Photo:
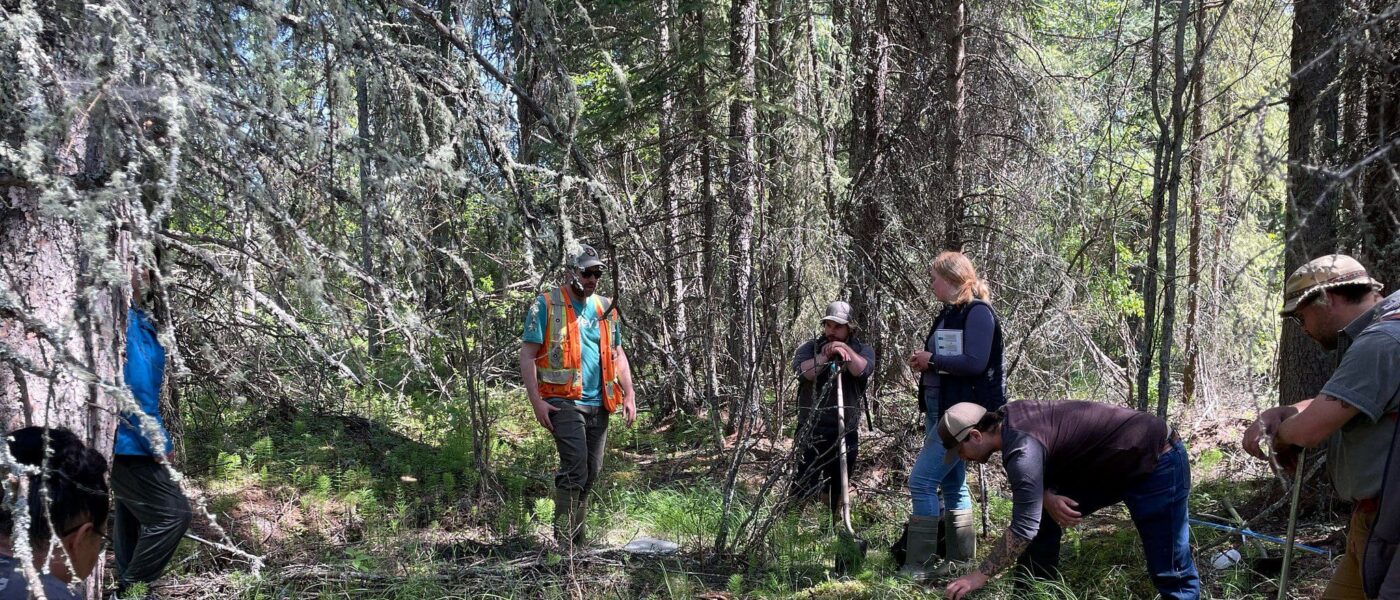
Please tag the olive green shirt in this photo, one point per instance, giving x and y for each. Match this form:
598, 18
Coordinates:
1368, 379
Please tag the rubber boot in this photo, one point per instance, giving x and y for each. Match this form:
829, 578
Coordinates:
566, 513
960, 533
578, 519
942, 548
919, 550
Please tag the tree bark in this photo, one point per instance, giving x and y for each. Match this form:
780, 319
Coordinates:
742, 191
62, 317
671, 151
953, 233
367, 212
1378, 234
1197, 162
1173, 190
1312, 142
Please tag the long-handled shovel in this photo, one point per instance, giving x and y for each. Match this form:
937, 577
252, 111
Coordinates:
850, 549
1292, 526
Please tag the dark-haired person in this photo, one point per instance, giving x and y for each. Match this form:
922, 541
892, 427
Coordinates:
151, 511
1335, 301
576, 375
67, 499
1065, 460
961, 362
817, 425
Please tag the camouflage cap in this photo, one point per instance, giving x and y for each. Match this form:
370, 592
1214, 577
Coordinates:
1319, 274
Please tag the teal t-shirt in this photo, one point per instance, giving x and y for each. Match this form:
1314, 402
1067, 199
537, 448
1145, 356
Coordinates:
589, 334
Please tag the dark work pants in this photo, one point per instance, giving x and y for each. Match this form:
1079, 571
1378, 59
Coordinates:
820, 466
1157, 505
580, 434
151, 515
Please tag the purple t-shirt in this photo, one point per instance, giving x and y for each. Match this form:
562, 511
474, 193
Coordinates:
1079, 449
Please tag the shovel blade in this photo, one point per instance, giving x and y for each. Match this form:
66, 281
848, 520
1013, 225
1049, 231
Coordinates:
850, 554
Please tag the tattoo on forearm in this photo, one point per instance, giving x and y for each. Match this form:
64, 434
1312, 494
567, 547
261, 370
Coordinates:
1005, 552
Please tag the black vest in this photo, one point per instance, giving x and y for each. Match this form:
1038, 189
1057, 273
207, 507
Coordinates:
821, 412
987, 388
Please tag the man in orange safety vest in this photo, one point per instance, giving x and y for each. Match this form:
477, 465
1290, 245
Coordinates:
576, 375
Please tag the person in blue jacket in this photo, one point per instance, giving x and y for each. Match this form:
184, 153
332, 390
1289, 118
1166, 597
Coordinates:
151, 512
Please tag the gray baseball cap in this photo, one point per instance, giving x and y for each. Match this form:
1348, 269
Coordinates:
838, 312
587, 257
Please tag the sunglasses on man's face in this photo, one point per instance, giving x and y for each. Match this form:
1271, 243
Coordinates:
591, 274
1297, 315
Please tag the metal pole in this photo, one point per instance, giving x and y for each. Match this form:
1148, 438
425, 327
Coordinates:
1292, 526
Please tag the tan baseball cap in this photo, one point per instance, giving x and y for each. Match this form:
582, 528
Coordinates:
954, 425
1321, 273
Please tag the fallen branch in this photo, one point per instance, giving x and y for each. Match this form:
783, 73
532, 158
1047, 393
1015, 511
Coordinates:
256, 561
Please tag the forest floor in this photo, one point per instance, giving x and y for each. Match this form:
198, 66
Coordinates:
345, 507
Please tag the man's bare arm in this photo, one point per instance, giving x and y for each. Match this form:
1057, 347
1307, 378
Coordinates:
624, 372
528, 376
1315, 422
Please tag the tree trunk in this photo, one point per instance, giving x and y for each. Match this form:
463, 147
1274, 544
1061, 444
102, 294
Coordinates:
55, 339
1309, 219
62, 316
676, 357
869, 27
367, 213
526, 75
1378, 234
1151, 271
698, 103
1197, 163
1173, 185
742, 190
953, 234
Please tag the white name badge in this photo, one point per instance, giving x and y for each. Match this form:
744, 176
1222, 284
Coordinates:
948, 342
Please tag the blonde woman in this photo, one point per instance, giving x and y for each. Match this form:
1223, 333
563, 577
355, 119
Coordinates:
961, 362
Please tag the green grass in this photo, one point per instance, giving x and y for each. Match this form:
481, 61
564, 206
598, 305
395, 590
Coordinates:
391, 515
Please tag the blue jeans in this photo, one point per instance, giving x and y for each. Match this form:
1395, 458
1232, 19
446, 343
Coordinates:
1157, 504
929, 474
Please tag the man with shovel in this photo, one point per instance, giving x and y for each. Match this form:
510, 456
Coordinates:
817, 422
832, 371
1339, 306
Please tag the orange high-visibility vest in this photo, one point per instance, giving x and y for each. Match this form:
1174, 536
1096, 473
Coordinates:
558, 361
